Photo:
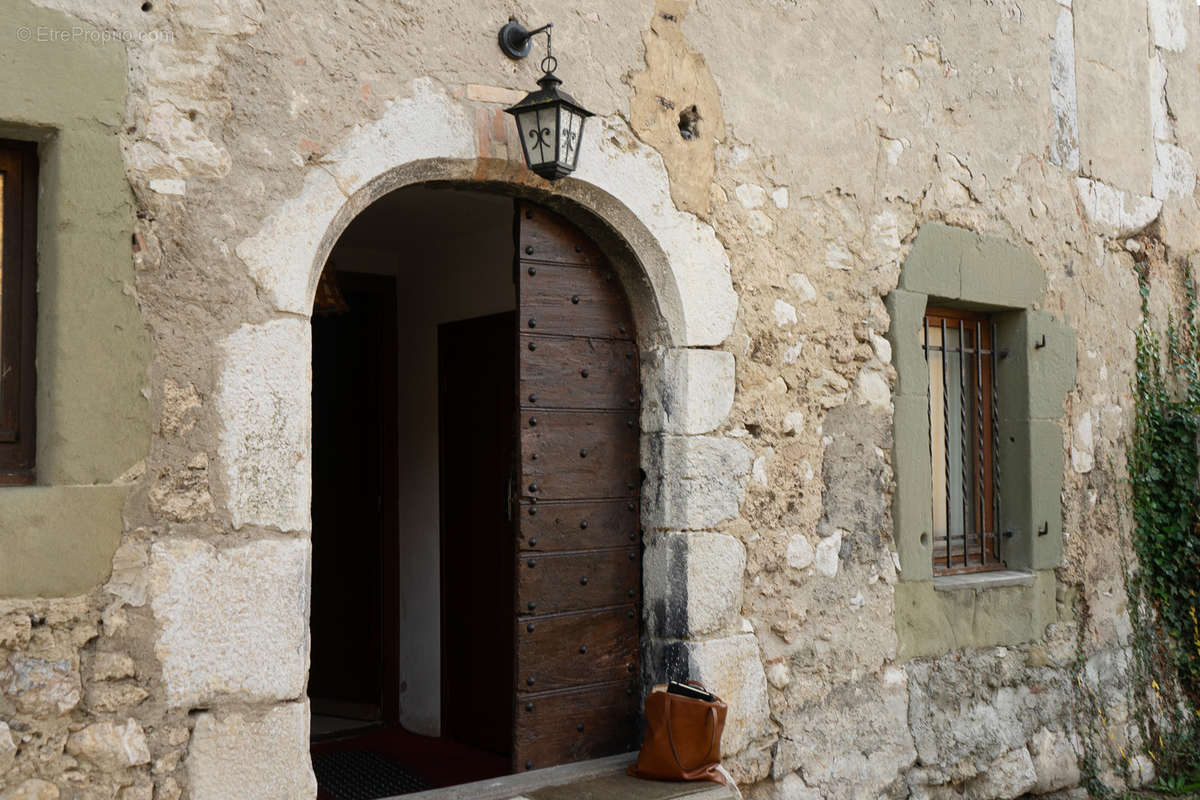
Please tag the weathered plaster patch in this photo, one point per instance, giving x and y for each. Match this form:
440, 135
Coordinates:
1166, 23
234, 621
1174, 175
1117, 213
1160, 121
675, 86
265, 402
1064, 151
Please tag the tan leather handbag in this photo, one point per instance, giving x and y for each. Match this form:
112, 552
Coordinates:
683, 737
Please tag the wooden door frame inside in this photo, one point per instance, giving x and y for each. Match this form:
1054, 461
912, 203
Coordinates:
384, 288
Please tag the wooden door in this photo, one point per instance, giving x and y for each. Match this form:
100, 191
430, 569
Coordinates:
475, 412
578, 542
355, 602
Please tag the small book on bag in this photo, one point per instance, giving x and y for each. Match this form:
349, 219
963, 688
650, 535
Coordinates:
694, 691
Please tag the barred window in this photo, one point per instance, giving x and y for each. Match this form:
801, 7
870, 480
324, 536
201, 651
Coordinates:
18, 293
963, 439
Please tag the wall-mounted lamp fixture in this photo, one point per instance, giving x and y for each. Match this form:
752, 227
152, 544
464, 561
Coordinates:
550, 121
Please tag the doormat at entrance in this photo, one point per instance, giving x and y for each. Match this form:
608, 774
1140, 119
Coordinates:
363, 775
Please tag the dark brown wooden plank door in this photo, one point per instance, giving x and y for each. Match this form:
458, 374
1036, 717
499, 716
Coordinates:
578, 561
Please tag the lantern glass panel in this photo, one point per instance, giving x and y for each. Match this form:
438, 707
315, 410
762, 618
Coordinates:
566, 144
576, 138
539, 132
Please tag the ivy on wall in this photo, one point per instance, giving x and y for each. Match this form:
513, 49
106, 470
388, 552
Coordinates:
1164, 588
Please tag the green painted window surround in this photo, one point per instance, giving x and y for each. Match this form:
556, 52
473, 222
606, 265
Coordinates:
950, 266
58, 537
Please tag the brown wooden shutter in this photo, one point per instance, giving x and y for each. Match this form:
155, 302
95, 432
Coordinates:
578, 563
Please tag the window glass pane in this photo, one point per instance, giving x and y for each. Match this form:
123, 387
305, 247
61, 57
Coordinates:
960, 438
946, 433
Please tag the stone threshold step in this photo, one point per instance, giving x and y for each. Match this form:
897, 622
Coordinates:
599, 779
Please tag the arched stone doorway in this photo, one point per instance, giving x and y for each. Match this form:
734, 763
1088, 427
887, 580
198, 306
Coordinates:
476, 484
677, 277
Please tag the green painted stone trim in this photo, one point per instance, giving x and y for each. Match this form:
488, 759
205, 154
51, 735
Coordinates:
93, 349
957, 267
931, 623
61, 539
956, 264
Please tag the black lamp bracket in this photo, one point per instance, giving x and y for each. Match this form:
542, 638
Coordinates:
515, 42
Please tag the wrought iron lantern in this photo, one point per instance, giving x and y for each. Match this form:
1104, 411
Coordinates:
549, 121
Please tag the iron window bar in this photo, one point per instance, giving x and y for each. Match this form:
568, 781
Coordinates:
975, 546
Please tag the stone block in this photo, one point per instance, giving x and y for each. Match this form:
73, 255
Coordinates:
265, 402
716, 564
1174, 174
1111, 46
1183, 90
1166, 24
32, 789
1064, 151
907, 310
234, 622
911, 508
112, 667
853, 742
996, 272
693, 482
1115, 212
1054, 761
687, 390
1009, 776
251, 756
693, 583
932, 266
829, 389
733, 669
110, 746
974, 705
8, 748
930, 622
105, 697
826, 557
39, 687
58, 541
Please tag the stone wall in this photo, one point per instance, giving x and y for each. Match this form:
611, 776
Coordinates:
827, 136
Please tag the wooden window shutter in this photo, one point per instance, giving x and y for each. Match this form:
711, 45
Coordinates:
18, 310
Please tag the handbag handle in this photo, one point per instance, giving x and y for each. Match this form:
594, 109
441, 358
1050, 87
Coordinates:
712, 717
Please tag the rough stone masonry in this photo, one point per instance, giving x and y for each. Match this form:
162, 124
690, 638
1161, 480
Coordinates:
153, 612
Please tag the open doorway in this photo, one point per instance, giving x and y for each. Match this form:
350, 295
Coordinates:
457, 633
412, 326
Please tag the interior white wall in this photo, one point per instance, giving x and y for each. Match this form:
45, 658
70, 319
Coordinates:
452, 252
